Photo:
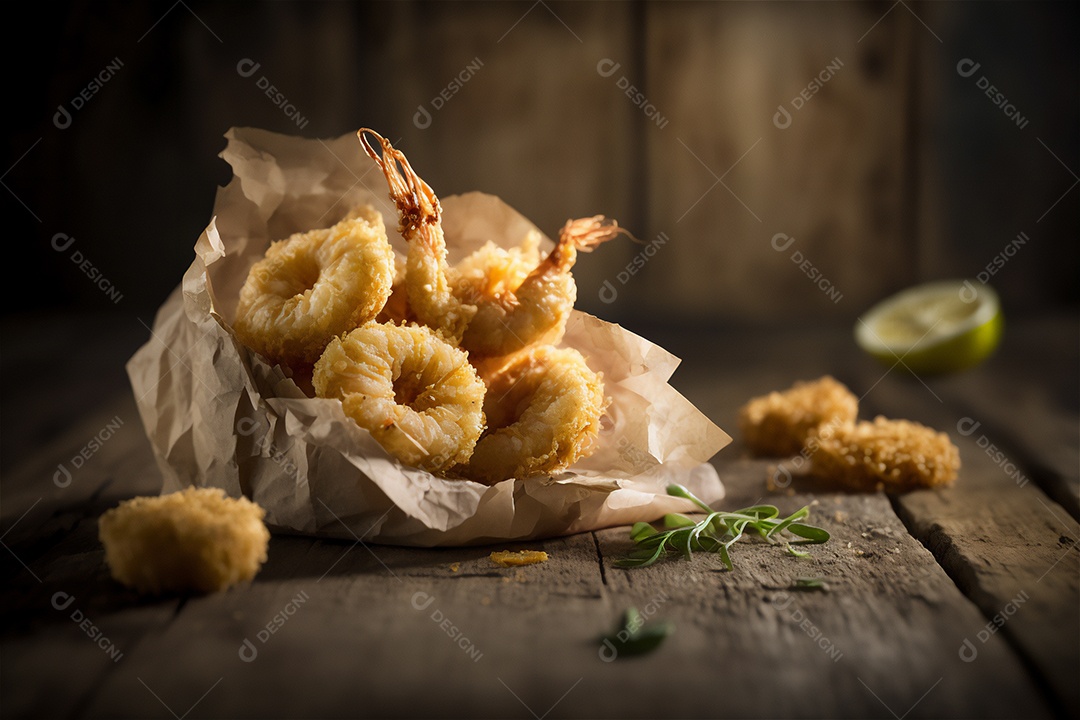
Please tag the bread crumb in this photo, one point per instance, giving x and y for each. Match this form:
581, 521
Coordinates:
894, 455
195, 540
508, 558
778, 424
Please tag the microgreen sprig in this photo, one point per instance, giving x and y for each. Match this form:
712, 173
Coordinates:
717, 532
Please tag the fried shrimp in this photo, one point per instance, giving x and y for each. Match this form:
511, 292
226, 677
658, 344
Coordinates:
543, 411
397, 310
315, 285
420, 223
492, 303
510, 317
415, 393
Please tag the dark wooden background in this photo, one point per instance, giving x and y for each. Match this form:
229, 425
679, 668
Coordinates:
898, 170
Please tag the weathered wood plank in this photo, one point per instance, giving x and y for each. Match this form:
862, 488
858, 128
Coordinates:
357, 644
725, 177
106, 449
882, 636
361, 632
1028, 422
1008, 546
986, 142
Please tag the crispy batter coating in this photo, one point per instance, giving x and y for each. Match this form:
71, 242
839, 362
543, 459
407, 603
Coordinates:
777, 424
396, 310
513, 314
195, 540
509, 558
415, 393
894, 455
315, 285
494, 302
543, 411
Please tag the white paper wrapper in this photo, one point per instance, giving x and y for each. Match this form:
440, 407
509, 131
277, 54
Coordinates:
219, 415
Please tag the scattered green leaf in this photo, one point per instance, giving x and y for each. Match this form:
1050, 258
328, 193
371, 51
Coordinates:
716, 532
804, 583
633, 637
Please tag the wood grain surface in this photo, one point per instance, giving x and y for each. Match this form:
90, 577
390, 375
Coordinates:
332, 628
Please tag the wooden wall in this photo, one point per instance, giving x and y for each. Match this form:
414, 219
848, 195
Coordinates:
896, 170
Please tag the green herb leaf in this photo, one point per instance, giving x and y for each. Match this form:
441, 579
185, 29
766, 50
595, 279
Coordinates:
677, 490
804, 583
675, 520
812, 534
717, 532
633, 637
797, 553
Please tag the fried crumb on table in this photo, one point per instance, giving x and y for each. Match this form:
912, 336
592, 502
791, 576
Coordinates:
509, 558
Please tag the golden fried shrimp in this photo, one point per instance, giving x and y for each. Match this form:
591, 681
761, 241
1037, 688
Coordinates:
415, 393
778, 424
492, 270
315, 285
511, 317
488, 303
420, 223
396, 310
894, 455
543, 411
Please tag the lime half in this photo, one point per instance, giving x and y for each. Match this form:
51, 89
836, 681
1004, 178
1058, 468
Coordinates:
934, 328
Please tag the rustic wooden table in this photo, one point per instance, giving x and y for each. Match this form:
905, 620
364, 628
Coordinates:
957, 603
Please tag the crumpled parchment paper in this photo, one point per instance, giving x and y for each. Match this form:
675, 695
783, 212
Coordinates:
218, 415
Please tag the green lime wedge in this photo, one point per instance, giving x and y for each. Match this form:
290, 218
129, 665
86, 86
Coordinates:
938, 327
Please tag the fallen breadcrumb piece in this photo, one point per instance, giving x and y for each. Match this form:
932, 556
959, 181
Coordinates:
508, 558
885, 454
778, 424
197, 540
